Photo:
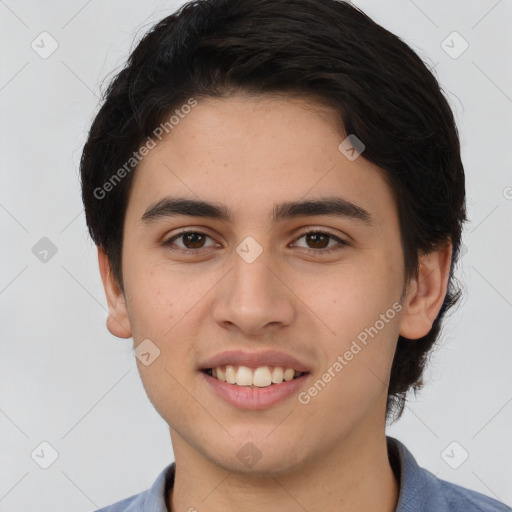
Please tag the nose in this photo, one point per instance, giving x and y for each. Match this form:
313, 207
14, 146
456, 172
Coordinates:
254, 297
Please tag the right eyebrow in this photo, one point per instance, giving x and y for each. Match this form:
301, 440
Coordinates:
173, 206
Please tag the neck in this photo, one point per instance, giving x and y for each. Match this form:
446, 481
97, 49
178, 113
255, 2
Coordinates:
355, 476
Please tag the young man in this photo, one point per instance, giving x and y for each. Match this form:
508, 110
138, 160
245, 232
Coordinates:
276, 192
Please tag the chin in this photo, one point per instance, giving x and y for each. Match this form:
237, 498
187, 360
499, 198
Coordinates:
260, 457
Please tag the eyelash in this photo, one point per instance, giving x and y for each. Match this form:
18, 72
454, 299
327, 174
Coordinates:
341, 243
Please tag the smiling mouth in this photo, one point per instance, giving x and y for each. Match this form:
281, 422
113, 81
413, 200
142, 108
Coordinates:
260, 377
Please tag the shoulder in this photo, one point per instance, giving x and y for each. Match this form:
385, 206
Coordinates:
150, 500
421, 491
460, 499
126, 505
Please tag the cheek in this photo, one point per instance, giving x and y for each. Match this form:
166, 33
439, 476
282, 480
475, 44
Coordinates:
159, 296
164, 304
358, 358
353, 297
360, 306
158, 313
152, 309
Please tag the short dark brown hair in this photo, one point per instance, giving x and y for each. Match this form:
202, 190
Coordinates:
325, 50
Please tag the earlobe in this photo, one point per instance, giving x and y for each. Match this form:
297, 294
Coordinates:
118, 322
426, 293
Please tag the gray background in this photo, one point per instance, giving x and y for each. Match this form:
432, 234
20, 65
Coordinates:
66, 381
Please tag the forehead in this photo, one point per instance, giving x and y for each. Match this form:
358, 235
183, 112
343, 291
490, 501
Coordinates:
251, 153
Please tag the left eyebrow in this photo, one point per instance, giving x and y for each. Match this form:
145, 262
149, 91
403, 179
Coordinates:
330, 206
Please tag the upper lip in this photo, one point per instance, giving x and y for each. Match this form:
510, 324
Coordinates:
255, 360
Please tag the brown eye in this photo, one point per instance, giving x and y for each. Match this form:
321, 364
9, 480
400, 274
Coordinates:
191, 241
318, 240
321, 242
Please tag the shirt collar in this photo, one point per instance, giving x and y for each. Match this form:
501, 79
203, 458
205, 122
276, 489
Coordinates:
419, 489
155, 498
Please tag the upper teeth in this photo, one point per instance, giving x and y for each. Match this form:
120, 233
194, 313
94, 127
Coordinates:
261, 377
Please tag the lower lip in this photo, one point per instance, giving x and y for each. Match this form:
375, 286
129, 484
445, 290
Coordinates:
245, 397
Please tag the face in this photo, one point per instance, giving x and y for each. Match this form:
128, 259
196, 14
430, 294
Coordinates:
254, 284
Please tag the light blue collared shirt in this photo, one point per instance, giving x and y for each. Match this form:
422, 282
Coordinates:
420, 490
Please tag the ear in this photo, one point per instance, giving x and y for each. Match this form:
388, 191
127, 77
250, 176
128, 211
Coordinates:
118, 322
426, 293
